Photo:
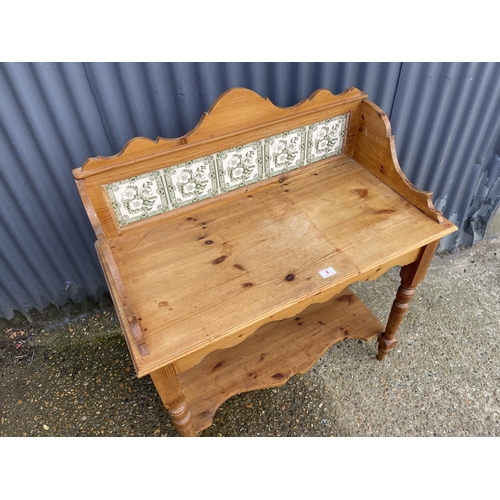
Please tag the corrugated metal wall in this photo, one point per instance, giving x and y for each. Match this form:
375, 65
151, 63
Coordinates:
446, 119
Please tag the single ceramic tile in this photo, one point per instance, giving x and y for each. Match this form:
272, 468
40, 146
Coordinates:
240, 166
192, 181
284, 152
138, 197
325, 138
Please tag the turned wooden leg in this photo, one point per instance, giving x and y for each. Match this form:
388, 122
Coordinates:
169, 389
386, 341
411, 276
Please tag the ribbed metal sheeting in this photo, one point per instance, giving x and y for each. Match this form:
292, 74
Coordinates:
54, 116
446, 121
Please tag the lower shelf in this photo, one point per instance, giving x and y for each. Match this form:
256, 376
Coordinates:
274, 353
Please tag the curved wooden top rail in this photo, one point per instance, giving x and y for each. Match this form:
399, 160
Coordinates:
236, 112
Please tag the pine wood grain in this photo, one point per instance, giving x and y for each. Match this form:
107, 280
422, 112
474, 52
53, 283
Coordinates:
264, 249
167, 384
274, 353
224, 295
238, 117
411, 275
375, 149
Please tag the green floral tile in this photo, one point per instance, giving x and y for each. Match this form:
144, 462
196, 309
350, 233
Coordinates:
240, 166
192, 181
284, 152
325, 139
138, 197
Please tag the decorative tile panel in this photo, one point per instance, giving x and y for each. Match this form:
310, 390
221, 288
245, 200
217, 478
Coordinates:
240, 166
284, 152
138, 197
325, 138
169, 188
192, 181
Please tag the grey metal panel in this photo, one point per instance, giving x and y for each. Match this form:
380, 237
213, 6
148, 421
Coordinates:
446, 120
48, 124
54, 116
167, 100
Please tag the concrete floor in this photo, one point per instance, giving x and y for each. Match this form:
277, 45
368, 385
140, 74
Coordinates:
443, 378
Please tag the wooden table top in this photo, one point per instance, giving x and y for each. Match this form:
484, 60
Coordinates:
219, 271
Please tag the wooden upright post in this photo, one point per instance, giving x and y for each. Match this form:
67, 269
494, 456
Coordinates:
168, 387
411, 275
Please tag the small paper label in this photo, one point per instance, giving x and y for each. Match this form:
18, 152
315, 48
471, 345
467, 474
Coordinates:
326, 273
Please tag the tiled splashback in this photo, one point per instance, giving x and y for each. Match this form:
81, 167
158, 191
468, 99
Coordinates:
169, 188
